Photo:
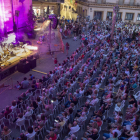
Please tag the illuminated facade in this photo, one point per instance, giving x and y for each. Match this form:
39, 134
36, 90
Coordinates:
7, 13
103, 9
40, 7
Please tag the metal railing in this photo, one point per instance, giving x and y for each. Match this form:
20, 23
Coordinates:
58, 1
104, 2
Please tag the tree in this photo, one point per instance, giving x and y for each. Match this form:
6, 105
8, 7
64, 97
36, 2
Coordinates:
31, 20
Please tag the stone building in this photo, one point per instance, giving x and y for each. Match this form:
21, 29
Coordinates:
103, 9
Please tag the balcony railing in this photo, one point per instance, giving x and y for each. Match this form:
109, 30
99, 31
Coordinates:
104, 2
58, 1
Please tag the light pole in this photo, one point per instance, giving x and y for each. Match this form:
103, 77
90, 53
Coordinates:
115, 11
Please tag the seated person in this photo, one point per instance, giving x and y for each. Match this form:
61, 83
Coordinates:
29, 112
14, 104
60, 121
20, 118
5, 131
47, 111
71, 99
115, 136
51, 136
30, 133
31, 77
98, 120
37, 126
74, 128
93, 135
75, 38
24, 84
117, 130
22, 137
57, 129
94, 101
92, 126
130, 111
129, 133
134, 137
72, 137
7, 111
82, 118
24, 96
97, 114
32, 89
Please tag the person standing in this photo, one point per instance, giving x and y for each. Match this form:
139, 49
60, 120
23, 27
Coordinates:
67, 47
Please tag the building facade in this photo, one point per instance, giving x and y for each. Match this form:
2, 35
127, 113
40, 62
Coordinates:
43, 7
13, 12
103, 9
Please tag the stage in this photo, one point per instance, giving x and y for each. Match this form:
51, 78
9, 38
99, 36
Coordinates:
10, 56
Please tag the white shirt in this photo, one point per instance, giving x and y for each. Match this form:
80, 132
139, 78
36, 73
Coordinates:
31, 135
133, 138
94, 101
117, 131
20, 119
13, 107
74, 129
28, 113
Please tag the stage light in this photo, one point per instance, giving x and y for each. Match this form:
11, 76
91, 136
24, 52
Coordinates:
32, 48
37, 29
2, 15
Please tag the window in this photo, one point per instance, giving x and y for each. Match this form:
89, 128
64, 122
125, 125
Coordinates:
97, 15
109, 15
129, 16
119, 15
90, 9
138, 18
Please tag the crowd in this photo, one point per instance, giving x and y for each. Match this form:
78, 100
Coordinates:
96, 87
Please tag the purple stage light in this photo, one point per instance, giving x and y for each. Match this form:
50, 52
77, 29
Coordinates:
2, 16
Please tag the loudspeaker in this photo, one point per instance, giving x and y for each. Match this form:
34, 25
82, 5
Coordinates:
55, 21
30, 57
23, 61
32, 63
24, 67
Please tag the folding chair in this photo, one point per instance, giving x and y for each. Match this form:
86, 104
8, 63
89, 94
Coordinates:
20, 124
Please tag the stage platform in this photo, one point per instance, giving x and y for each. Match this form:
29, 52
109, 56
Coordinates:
9, 63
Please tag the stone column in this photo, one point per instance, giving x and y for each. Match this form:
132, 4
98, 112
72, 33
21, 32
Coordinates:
123, 16
135, 17
58, 6
105, 15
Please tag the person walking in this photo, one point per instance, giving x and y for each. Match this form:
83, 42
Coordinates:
67, 47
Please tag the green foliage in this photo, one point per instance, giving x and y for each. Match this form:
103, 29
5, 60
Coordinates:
31, 19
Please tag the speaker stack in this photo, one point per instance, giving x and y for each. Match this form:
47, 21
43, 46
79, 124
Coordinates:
32, 61
25, 65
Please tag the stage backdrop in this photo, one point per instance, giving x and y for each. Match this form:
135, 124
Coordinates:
6, 17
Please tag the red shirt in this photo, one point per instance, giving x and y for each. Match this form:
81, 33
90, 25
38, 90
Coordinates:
54, 138
55, 61
99, 123
7, 112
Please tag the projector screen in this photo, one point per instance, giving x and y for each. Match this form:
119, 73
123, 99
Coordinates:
7, 15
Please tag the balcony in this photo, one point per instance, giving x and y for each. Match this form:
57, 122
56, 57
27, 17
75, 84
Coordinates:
104, 2
58, 1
